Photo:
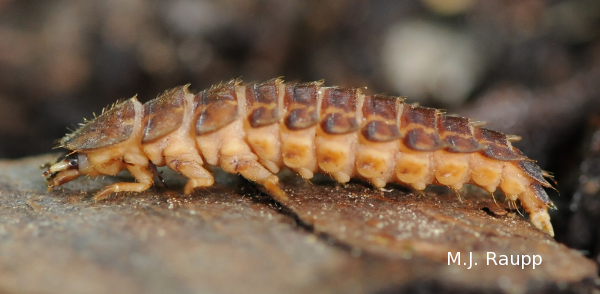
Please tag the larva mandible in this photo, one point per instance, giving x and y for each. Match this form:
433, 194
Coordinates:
256, 129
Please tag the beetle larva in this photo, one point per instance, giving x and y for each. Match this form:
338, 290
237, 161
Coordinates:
256, 129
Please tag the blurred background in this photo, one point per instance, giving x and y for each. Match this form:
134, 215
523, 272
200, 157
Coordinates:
527, 67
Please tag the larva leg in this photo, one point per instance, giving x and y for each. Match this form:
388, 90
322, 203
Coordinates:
140, 173
254, 171
191, 168
237, 158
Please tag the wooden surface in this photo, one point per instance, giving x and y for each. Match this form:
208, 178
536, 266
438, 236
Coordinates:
232, 238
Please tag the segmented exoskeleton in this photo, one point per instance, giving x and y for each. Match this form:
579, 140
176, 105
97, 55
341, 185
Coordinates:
256, 129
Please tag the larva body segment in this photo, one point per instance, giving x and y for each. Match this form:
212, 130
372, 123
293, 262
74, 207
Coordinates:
254, 130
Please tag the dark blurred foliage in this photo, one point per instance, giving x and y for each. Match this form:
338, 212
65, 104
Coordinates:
527, 67
583, 230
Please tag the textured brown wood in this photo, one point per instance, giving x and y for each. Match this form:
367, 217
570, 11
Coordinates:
407, 226
231, 238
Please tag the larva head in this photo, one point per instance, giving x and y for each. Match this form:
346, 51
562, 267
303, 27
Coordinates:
103, 136
65, 169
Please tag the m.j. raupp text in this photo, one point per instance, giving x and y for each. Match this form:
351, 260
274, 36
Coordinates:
494, 259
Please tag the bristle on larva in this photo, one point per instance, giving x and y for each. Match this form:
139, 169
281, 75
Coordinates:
256, 129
